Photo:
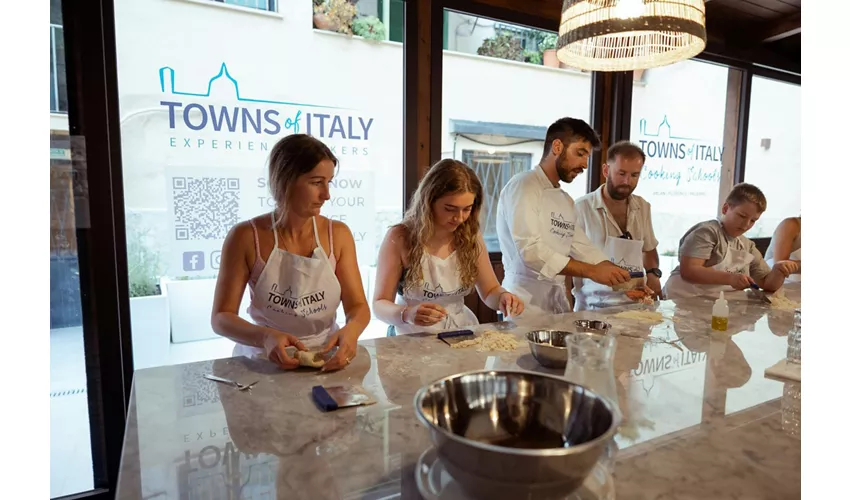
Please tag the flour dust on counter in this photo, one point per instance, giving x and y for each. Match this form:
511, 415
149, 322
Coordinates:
490, 340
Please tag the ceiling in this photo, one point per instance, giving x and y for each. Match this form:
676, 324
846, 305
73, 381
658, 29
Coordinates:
770, 26
765, 32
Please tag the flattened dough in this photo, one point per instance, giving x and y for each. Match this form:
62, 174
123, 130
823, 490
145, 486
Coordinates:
647, 316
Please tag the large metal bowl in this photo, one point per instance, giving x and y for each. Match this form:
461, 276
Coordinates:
512, 434
549, 347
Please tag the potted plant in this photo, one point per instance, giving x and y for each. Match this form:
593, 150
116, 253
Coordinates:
370, 28
533, 57
149, 321
503, 46
334, 15
548, 47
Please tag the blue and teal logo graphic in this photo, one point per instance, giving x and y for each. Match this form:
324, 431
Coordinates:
663, 147
190, 111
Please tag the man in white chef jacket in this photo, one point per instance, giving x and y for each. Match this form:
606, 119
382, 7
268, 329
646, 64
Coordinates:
620, 223
535, 220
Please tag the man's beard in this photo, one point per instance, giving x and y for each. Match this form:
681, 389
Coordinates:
617, 193
564, 172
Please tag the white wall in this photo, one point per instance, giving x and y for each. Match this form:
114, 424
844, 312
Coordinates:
777, 170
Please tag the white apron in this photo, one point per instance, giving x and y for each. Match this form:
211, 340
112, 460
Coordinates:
441, 285
542, 295
296, 295
795, 255
735, 261
622, 252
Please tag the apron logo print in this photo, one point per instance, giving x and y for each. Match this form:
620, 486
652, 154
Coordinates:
288, 300
559, 222
435, 293
561, 227
622, 263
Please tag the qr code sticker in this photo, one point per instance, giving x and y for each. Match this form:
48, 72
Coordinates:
205, 208
197, 390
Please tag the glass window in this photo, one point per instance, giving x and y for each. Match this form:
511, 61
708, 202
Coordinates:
678, 115
268, 5
495, 170
773, 161
58, 89
200, 113
71, 465
492, 73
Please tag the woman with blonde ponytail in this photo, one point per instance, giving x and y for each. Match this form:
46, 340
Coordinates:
436, 255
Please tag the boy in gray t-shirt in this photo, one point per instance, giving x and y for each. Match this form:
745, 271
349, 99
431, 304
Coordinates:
715, 255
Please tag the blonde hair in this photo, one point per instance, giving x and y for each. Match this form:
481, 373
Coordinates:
446, 177
743, 193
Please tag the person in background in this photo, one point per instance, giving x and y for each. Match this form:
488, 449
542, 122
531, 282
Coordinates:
535, 220
435, 256
785, 245
620, 223
299, 267
715, 255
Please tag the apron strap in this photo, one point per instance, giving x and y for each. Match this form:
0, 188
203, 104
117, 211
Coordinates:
316, 233
274, 230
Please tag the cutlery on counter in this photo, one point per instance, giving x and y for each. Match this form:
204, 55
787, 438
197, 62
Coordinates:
241, 387
759, 293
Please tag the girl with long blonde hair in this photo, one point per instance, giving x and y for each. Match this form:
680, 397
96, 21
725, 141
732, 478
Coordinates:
436, 255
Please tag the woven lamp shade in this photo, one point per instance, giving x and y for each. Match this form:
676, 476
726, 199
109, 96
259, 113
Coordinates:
625, 35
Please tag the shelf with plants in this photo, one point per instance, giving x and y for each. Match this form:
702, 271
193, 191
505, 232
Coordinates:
341, 16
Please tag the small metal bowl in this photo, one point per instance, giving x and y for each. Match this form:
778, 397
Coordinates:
591, 326
549, 347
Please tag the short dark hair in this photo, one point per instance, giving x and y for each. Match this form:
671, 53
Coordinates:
570, 130
626, 149
743, 193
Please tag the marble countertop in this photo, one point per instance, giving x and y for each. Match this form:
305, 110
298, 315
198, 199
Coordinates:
700, 418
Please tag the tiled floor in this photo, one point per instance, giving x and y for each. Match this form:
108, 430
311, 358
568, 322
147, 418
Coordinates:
70, 443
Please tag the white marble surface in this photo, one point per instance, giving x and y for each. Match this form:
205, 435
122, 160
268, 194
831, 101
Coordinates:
701, 420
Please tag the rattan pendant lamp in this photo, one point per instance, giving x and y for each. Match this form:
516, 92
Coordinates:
626, 35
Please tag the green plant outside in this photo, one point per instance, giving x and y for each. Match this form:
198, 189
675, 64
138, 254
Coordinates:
369, 27
502, 47
144, 265
550, 41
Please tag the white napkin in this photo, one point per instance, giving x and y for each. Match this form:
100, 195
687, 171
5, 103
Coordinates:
784, 370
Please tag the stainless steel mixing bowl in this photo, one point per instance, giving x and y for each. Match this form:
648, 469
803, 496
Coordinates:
511, 434
591, 326
549, 347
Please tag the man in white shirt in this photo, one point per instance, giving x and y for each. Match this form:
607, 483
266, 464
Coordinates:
535, 220
621, 224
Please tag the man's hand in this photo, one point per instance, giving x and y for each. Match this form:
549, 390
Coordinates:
653, 282
606, 273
